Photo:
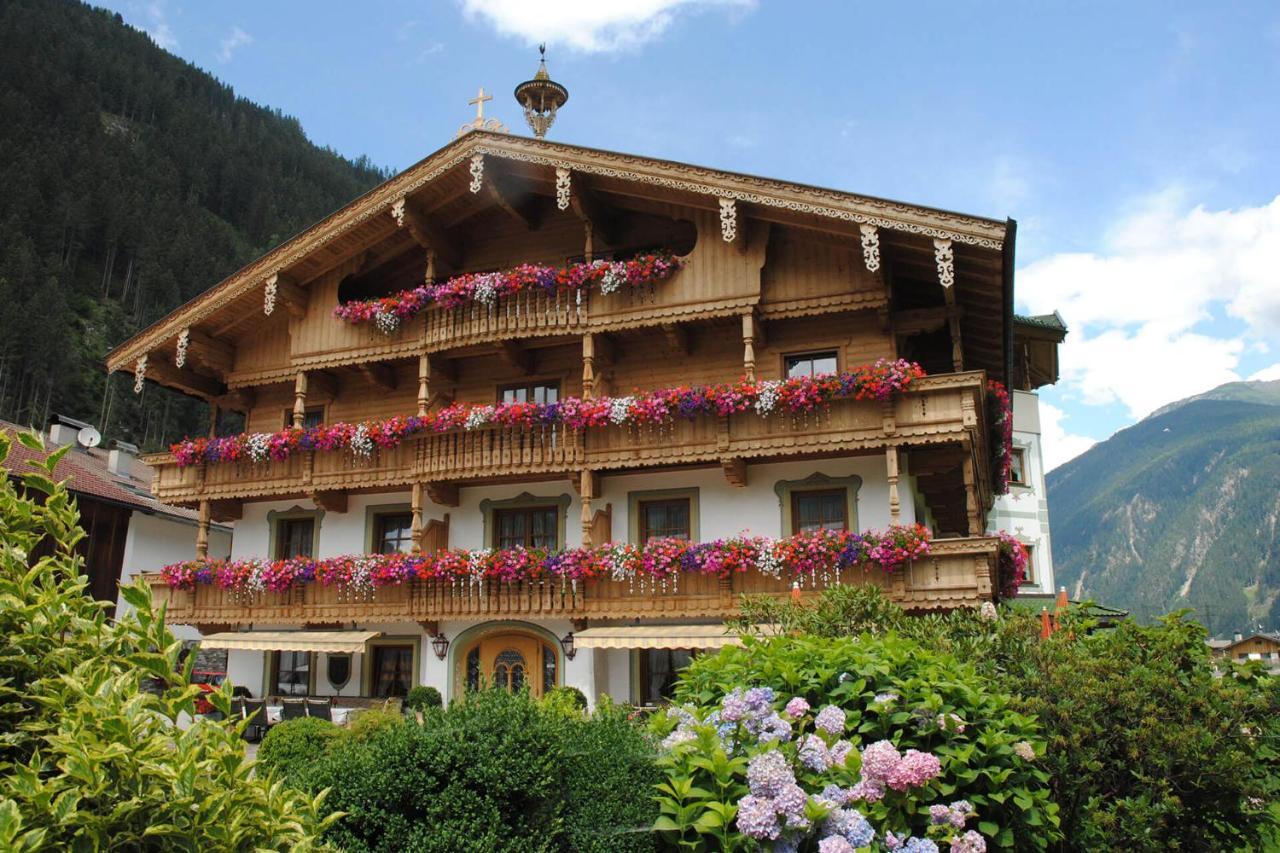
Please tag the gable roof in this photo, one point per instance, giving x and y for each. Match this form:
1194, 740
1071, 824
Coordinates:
769, 197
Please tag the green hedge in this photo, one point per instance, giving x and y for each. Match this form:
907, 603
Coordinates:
291, 747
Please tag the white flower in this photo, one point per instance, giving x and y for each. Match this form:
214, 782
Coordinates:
988, 612
257, 445
1024, 750
770, 561
618, 408
614, 278
361, 443
386, 322
767, 397
478, 417
486, 291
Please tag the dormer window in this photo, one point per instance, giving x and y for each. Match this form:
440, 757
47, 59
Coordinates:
811, 363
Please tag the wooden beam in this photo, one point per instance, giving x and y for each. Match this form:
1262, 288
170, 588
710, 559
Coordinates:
442, 494
735, 470
240, 400
432, 237
519, 358
502, 198
321, 384
330, 501
379, 373
588, 207
216, 354
290, 295
194, 383
677, 338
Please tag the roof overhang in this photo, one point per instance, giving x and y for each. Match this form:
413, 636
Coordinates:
656, 637
769, 199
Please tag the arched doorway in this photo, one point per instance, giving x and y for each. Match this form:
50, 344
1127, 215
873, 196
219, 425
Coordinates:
512, 660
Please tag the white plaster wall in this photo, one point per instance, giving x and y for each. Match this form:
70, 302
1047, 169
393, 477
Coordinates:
1024, 511
155, 541
245, 669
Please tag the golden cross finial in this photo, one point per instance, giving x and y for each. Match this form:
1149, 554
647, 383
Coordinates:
479, 100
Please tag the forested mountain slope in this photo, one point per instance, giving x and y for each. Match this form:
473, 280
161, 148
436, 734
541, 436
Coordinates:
1179, 510
132, 181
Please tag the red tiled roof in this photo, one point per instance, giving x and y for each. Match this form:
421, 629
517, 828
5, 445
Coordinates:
86, 473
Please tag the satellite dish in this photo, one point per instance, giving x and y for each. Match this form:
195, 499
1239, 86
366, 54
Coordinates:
89, 437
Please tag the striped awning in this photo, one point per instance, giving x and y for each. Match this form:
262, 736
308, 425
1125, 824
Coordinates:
656, 637
291, 641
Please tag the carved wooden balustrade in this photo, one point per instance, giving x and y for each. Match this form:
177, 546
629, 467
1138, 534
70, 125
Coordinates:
937, 410
956, 573
520, 315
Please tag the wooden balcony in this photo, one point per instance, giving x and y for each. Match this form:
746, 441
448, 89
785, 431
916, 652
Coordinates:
957, 573
943, 409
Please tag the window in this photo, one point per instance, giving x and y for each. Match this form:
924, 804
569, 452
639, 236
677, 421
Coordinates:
295, 537
393, 533
658, 671
392, 670
1031, 564
292, 674
339, 670
312, 416
541, 392
531, 527
824, 509
810, 364
1018, 467
667, 518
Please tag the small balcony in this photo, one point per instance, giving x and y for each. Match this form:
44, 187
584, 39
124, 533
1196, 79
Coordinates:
956, 573
944, 409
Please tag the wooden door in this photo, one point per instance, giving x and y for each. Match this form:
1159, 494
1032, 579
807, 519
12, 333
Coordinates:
512, 661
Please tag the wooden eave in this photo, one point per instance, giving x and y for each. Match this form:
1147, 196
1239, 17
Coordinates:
439, 188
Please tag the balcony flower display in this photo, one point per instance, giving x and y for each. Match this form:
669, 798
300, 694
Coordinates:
1002, 435
879, 381
1011, 566
388, 312
806, 557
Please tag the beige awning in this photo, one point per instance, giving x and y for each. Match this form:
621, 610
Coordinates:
656, 637
292, 641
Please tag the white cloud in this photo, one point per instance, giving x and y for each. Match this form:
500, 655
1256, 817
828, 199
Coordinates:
237, 38
1134, 307
1267, 374
1058, 445
590, 26
159, 30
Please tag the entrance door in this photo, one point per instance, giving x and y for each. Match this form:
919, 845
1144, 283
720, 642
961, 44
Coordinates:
512, 662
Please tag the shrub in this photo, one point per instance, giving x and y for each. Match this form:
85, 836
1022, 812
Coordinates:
88, 759
369, 722
291, 747
422, 697
567, 700
893, 689
494, 772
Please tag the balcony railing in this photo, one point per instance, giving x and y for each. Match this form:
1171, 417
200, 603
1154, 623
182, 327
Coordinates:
937, 410
956, 573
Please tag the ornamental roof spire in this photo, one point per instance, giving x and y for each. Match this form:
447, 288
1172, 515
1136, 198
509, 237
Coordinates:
541, 97
480, 122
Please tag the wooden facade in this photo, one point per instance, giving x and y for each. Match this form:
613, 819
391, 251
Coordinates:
771, 269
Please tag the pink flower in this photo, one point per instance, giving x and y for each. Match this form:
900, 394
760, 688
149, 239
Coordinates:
797, 707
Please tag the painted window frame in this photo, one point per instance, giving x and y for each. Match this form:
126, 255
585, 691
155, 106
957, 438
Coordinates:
297, 513
635, 498
1021, 453
638, 673
273, 674
367, 669
525, 500
372, 516
797, 494
550, 382
817, 482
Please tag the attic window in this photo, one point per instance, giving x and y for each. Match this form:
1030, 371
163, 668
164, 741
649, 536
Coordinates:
357, 288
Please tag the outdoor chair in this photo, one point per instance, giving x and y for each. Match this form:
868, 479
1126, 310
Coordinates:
255, 711
322, 708
293, 709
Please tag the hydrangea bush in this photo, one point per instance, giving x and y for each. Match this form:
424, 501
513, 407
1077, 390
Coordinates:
896, 727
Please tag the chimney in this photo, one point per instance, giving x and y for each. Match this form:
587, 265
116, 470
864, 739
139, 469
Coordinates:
64, 430
122, 458
1237, 637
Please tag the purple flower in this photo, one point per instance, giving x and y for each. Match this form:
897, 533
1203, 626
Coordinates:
851, 824
830, 720
757, 818
797, 707
768, 773
970, 842
867, 791
833, 795
918, 845
790, 804
835, 844
840, 752
939, 814
814, 754
734, 707
879, 760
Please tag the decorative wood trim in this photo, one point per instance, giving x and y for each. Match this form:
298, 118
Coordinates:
817, 482
735, 470
443, 494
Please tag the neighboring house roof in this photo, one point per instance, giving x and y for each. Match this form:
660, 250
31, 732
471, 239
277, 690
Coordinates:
1053, 322
86, 473
1269, 636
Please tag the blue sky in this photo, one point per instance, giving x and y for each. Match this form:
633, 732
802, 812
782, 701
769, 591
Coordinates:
1135, 143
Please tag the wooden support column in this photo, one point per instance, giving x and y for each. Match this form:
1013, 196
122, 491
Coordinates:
749, 347
424, 385
299, 398
213, 420
588, 366
891, 467
416, 506
953, 322
971, 496
588, 491
202, 530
